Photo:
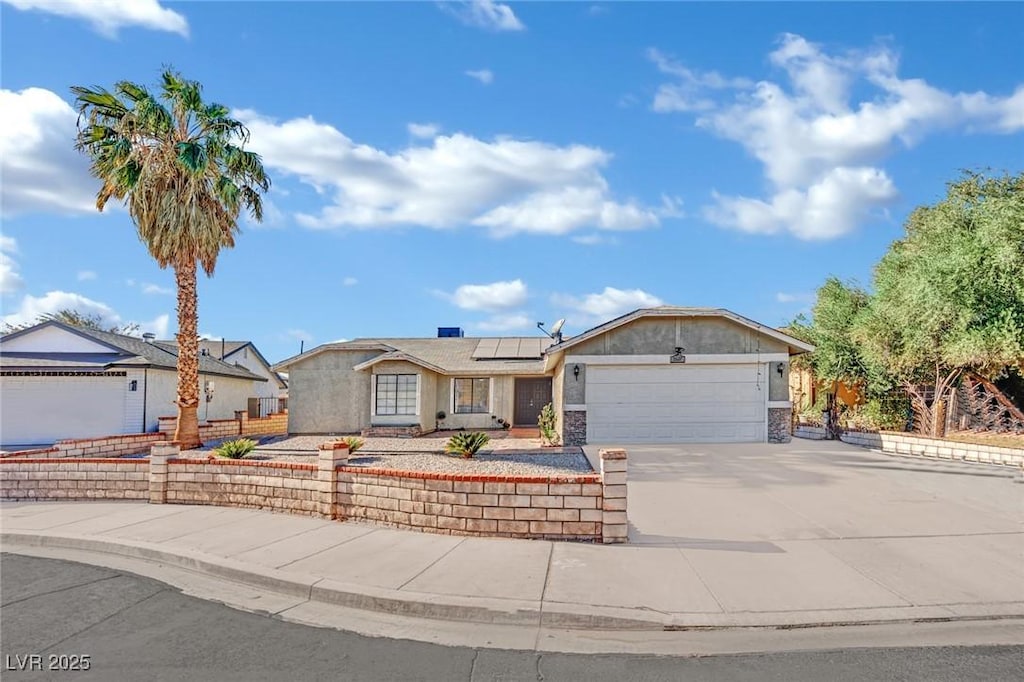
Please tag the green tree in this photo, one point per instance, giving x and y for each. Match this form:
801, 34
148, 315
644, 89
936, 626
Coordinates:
77, 319
949, 296
179, 165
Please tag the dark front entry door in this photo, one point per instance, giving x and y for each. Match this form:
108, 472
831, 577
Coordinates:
531, 396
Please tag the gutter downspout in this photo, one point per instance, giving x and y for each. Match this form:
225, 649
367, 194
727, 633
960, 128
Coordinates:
145, 395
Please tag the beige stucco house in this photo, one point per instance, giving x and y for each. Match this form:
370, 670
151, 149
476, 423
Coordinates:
665, 374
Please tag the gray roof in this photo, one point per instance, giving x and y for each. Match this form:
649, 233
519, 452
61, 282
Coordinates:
125, 351
215, 348
450, 356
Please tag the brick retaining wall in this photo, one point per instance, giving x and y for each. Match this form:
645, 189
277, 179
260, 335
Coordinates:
241, 425
589, 507
922, 446
809, 432
554, 508
277, 486
127, 444
27, 478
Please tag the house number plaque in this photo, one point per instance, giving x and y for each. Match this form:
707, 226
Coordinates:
678, 355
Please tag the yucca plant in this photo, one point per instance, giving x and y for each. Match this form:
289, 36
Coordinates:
235, 449
466, 443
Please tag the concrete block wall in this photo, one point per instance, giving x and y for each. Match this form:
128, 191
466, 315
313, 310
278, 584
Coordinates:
215, 428
27, 478
271, 424
553, 508
101, 446
589, 507
922, 446
809, 432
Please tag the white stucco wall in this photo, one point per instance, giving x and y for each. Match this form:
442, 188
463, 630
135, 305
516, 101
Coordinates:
230, 394
248, 359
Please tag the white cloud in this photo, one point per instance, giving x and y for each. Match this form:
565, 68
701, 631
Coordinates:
821, 131
424, 130
506, 323
148, 288
52, 302
210, 337
594, 239
109, 16
86, 275
610, 303
298, 335
349, 282
10, 280
496, 296
505, 185
485, 14
38, 162
485, 76
783, 297
829, 208
158, 325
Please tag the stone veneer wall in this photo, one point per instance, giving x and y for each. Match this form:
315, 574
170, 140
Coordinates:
780, 420
910, 444
127, 444
26, 478
574, 427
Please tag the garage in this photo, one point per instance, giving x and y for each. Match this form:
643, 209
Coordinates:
38, 409
677, 404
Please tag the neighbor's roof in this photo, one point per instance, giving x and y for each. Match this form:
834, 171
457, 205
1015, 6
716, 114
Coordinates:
451, 356
796, 346
224, 350
125, 351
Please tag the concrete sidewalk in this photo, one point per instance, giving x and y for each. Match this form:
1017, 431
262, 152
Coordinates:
566, 585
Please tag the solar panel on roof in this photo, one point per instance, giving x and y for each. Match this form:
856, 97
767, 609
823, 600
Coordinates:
485, 349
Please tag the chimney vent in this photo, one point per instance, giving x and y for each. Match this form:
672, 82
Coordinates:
148, 337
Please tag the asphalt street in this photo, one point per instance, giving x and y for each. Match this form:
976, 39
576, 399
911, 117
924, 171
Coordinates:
58, 615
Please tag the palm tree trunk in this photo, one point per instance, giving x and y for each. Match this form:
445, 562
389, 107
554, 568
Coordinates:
187, 432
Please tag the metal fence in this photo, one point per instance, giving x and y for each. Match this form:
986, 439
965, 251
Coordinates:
262, 407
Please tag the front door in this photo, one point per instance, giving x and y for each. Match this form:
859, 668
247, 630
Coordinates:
531, 396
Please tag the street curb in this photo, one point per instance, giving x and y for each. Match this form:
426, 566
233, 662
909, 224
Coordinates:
494, 611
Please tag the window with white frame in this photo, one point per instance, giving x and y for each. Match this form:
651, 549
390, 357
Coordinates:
472, 396
396, 394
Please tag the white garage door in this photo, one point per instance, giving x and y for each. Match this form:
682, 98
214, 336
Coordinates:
48, 408
676, 404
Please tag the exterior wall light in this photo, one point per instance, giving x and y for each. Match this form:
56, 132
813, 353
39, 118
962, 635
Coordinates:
781, 369
576, 372
133, 385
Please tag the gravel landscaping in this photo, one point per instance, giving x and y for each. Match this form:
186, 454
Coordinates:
502, 456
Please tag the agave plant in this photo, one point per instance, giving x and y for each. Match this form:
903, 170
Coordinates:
466, 443
235, 449
353, 443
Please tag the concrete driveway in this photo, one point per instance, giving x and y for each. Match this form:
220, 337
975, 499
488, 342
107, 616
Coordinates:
813, 517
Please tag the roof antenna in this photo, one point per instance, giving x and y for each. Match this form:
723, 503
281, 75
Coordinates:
556, 331
302, 346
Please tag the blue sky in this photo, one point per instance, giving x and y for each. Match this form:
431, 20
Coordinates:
490, 166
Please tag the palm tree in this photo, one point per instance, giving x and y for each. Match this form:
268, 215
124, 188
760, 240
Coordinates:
179, 165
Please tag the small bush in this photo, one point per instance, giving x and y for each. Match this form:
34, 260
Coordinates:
546, 423
235, 449
353, 443
466, 444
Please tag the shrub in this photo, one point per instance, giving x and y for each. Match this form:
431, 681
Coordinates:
466, 444
546, 423
353, 443
235, 449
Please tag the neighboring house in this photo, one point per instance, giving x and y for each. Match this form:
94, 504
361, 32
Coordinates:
245, 354
59, 381
664, 374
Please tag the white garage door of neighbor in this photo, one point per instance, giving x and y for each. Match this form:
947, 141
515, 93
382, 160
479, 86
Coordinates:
45, 409
676, 404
